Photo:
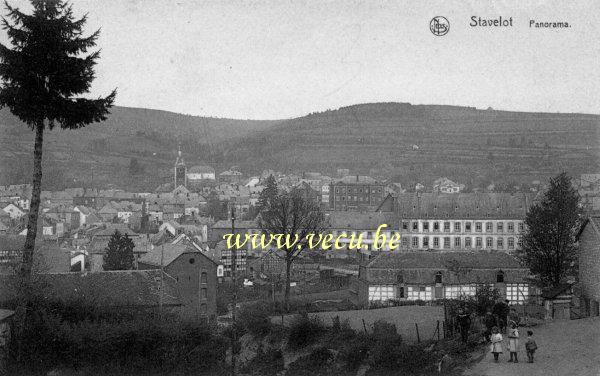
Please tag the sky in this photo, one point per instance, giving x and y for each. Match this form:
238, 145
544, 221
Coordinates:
281, 59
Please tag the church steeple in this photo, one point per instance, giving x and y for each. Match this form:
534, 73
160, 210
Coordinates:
180, 176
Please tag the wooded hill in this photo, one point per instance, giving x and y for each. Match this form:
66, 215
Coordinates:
409, 142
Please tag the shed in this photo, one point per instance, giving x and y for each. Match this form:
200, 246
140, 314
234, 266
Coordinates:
557, 302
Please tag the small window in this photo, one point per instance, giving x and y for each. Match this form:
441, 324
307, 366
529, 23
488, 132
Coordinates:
500, 277
488, 226
438, 277
511, 227
400, 278
511, 243
478, 242
203, 293
467, 242
192, 260
203, 277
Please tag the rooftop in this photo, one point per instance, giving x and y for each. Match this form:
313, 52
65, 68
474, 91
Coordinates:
444, 260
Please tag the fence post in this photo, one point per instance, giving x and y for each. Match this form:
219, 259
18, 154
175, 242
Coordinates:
418, 337
438, 329
444, 328
364, 325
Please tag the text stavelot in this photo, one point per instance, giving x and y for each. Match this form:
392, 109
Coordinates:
494, 22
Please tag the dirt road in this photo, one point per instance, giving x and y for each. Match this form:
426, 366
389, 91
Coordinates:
565, 348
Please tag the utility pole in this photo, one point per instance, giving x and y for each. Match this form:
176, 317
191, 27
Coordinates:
234, 308
160, 297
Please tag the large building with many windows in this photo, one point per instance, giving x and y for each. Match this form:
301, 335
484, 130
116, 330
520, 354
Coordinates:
355, 192
440, 275
466, 221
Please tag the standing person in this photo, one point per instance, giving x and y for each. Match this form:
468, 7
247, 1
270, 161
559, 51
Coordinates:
514, 316
464, 323
489, 320
530, 346
513, 342
496, 340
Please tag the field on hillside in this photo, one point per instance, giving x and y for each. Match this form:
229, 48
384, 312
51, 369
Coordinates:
404, 317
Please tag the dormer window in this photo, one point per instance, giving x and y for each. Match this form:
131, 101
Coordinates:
400, 278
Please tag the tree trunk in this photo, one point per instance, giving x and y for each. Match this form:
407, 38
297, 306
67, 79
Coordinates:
28, 249
288, 269
27, 261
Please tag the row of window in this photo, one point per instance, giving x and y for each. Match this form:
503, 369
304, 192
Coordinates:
446, 226
352, 198
458, 242
516, 293
357, 190
438, 276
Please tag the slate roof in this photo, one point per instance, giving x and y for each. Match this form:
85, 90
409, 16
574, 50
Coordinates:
594, 222
48, 257
226, 224
170, 253
441, 260
201, 170
110, 230
462, 205
361, 221
123, 288
356, 179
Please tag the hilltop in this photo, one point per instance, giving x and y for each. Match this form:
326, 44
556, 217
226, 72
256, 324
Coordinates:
408, 142
422, 142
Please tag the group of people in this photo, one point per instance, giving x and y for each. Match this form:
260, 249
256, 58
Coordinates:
513, 344
497, 320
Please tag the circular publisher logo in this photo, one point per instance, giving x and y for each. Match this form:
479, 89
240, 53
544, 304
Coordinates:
439, 26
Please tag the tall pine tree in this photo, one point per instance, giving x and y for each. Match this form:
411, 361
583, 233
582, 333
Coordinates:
549, 248
43, 76
119, 253
268, 194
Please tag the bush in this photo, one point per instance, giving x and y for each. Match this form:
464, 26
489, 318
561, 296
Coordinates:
355, 352
255, 319
265, 363
396, 356
304, 331
314, 364
145, 343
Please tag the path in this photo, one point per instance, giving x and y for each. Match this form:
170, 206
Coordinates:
569, 347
